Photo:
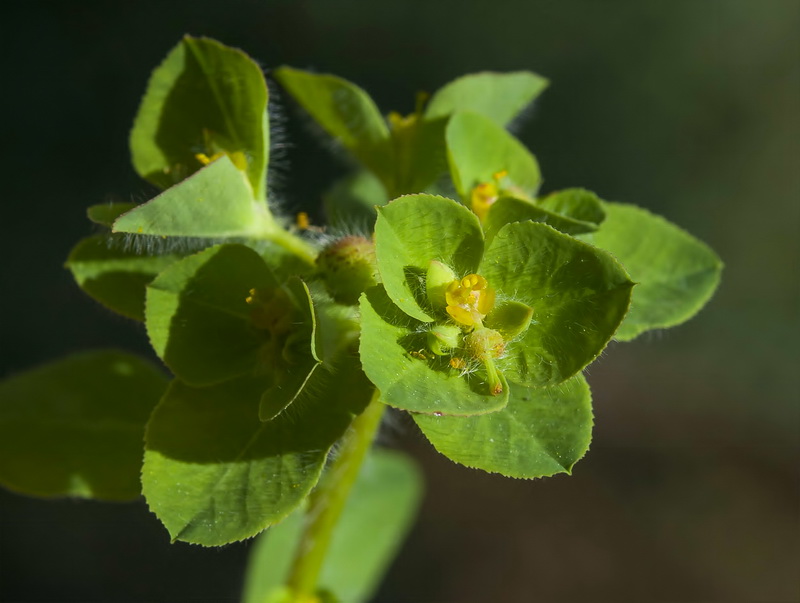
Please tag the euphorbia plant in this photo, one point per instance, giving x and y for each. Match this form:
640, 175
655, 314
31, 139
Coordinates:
468, 301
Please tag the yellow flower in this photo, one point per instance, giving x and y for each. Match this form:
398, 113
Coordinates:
469, 300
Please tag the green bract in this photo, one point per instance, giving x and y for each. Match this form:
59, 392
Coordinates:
557, 304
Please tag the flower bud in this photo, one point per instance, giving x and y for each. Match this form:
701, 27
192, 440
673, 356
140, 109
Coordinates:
348, 267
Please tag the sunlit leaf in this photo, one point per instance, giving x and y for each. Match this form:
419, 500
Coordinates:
213, 202
416, 229
205, 98
541, 432
578, 293
676, 273
213, 473
498, 96
395, 355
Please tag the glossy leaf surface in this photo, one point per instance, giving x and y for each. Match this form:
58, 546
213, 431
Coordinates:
414, 230
478, 148
394, 353
578, 293
213, 473
540, 433
676, 273
375, 520
114, 275
74, 427
498, 96
204, 98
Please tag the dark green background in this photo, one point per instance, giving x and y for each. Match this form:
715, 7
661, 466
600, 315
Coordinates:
690, 108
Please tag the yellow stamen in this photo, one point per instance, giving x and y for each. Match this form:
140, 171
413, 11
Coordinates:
302, 221
469, 300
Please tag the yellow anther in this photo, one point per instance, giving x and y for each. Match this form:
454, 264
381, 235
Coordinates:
469, 300
500, 175
302, 221
237, 158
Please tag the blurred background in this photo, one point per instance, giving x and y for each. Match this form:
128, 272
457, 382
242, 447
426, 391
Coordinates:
690, 108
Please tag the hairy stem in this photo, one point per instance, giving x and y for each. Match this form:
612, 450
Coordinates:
328, 500
293, 244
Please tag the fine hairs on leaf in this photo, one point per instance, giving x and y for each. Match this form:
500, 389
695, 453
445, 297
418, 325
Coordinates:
442, 290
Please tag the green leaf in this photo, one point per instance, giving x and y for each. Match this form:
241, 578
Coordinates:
576, 204
498, 96
579, 295
116, 275
213, 473
345, 112
204, 98
213, 202
507, 210
105, 213
676, 274
510, 318
395, 356
350, 202
299, 359
198, 319
375, 520
540, 433
74, 427
478, 148
420, 154
414, 230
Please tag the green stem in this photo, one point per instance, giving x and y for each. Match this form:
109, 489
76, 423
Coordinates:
328, 500
293, 244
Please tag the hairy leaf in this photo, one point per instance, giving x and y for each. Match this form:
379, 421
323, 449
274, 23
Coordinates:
213, 202
198, 319
414, 230
395, 356
205, 98
116, 275
540, 433
579, 295
214, 474
345, 112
